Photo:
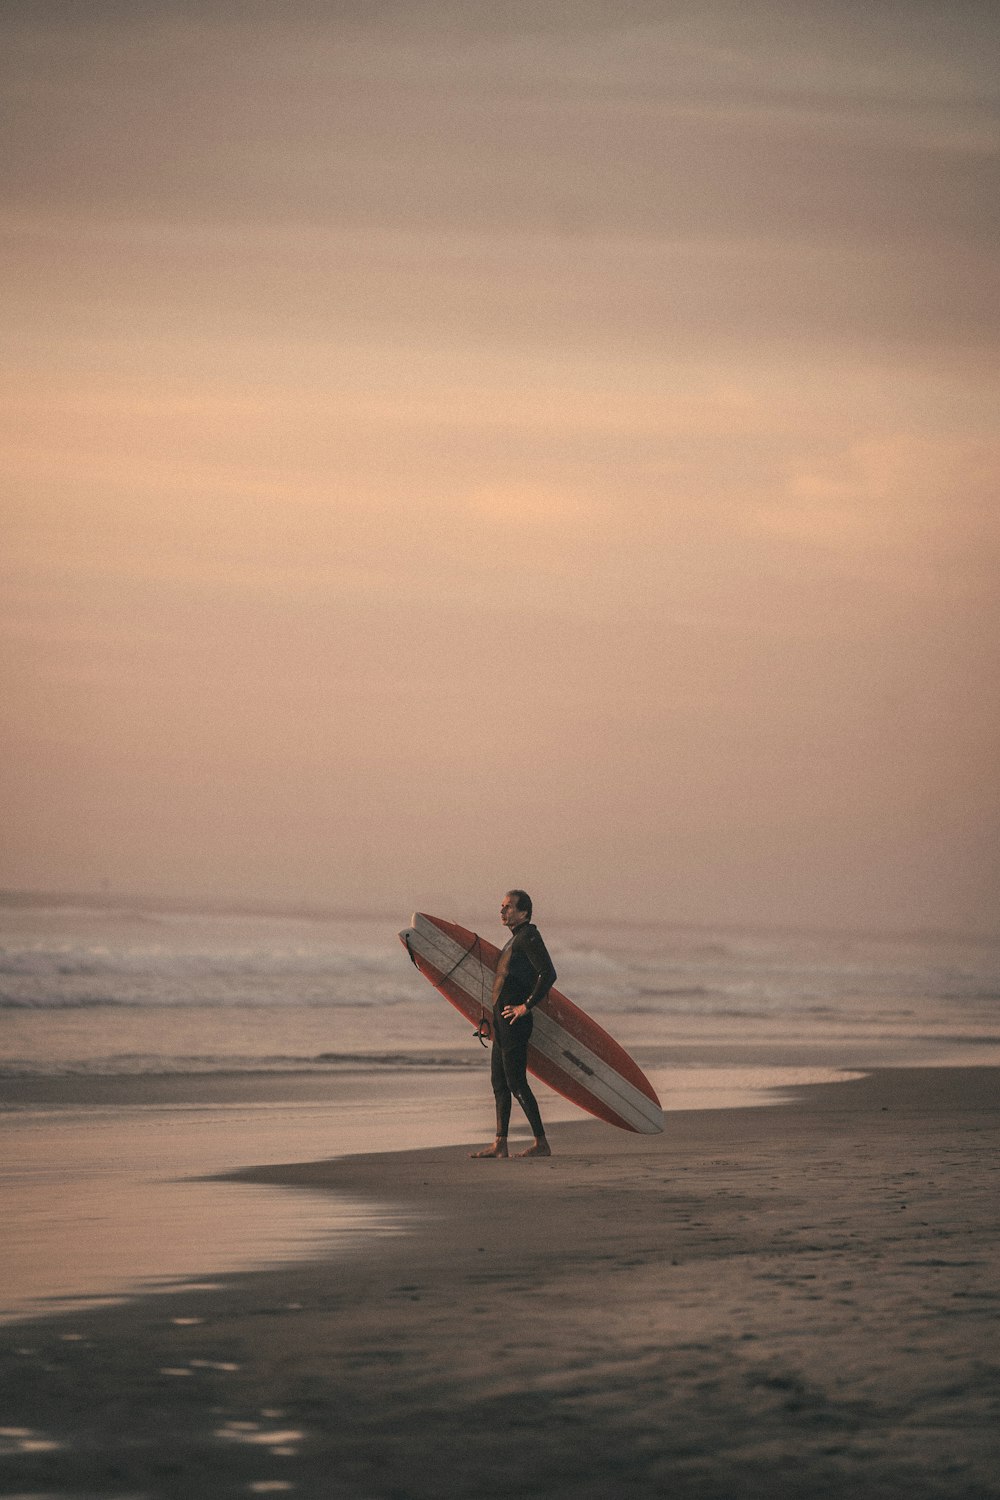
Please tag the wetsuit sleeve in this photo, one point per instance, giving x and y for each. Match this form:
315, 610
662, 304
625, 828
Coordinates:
545, 975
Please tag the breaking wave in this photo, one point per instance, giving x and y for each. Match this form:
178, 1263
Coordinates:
143, 1066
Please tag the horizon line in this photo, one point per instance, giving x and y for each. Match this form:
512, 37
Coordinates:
107, 900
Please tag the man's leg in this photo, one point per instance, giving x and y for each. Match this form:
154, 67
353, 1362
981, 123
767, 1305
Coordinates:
501, 1093
515, 1061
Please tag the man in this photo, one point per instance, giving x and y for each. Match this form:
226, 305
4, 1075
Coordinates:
524, 977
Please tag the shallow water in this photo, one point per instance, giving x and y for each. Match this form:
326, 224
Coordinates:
102, 1202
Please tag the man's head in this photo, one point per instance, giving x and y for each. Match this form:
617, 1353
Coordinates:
515, 908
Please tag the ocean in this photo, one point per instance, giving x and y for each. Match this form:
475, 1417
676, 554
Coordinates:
146, 1051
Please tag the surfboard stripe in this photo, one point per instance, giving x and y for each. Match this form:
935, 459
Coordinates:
603, 1080
568, 1050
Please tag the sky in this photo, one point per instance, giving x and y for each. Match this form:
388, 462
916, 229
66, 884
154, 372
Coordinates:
448, 446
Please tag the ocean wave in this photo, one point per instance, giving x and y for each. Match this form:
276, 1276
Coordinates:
141, 1066
91, 1001
399, 1059
62, 1002
671, 992
157, 962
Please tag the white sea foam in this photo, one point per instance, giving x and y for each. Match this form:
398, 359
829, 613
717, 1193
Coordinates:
89, 991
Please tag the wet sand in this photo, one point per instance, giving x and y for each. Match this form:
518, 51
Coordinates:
801, 1300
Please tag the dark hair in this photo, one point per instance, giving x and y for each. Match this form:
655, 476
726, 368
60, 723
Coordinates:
522, 901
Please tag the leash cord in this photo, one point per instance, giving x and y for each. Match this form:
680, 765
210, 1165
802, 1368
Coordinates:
484, 1031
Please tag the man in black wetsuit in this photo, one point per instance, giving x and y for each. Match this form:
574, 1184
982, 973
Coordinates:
524, 977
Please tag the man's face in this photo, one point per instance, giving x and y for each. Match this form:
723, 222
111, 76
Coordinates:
511, 914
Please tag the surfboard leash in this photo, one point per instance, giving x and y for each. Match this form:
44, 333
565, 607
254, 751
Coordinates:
484, 1031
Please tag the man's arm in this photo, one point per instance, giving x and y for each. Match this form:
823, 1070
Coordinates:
545, 974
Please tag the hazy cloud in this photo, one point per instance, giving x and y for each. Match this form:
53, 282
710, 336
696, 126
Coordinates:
454, 444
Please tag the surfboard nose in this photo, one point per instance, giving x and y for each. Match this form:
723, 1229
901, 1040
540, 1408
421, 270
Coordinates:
406, 937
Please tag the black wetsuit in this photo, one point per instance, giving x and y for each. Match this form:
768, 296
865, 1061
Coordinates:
524, 977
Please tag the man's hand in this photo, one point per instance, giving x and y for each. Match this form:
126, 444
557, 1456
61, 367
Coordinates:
514, 1012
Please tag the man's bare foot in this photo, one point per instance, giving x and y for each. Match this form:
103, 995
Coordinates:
540, 1148
498, 1148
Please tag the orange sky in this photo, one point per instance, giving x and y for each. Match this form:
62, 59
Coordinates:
454, 446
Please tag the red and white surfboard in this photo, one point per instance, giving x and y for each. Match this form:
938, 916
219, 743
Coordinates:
568, 1051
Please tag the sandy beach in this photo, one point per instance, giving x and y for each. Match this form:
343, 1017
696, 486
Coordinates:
800, 1300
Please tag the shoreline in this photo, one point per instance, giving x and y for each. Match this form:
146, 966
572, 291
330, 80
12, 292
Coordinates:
106, 1186
743, 1084
796, 1300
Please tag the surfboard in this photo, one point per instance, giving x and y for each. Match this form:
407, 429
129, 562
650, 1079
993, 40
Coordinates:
568, 1049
